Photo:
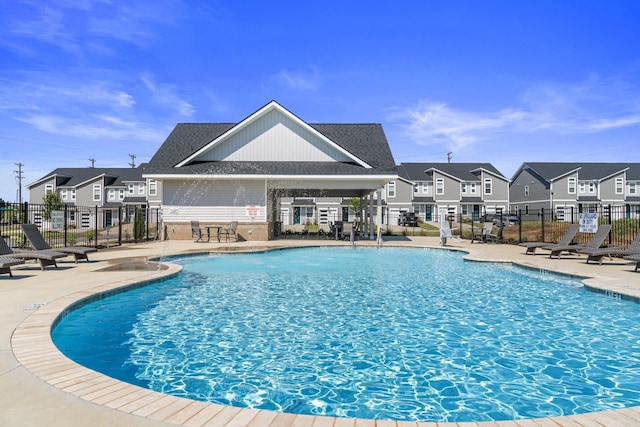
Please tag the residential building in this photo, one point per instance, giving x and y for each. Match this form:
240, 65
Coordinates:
114, 191
269, 168
576, 187
431, 189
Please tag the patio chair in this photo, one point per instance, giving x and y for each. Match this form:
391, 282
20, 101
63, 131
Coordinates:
568, 237
38, 243
480, 234
598, 254
230, 231
196, 231
347, 229
46, 257
636, 258
595, 242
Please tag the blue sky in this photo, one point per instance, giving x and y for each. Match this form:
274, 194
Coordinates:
491, 81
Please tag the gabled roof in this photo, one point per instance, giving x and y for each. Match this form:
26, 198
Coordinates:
73, 177
459, 171
551, 171
365, 145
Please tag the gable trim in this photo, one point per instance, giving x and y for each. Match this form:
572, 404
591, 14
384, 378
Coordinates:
271, 106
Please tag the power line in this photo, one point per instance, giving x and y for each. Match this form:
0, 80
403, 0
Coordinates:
133, 160
93, 162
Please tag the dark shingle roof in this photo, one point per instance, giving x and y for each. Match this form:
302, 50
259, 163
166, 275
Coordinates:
365, 141
462, 171
70, 177
587, 171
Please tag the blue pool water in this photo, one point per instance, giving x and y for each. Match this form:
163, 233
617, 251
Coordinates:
391, 333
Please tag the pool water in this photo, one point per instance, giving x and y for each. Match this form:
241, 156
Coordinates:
390, 333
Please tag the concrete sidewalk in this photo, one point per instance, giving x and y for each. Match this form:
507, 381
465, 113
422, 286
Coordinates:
40, 387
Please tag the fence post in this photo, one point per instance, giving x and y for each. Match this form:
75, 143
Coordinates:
64, 233
610, 223
542, 224
147, 211
120, 225
95, 231
519, 215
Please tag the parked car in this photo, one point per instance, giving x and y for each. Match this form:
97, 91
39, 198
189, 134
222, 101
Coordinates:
510, 220
408, 219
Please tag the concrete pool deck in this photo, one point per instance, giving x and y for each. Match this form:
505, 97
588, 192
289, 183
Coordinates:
40, 387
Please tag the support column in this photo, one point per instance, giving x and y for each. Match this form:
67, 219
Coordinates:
379, 216
371, 235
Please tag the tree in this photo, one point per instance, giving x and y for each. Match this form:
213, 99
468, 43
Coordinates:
138, 225
354, 204
52, 202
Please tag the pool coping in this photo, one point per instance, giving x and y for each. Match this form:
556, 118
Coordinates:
34, 349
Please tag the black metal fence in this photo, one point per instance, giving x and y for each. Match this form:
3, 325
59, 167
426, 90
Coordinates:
80, 225
548, 225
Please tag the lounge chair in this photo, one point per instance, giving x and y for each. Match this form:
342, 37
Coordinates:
230, 231
636, 258
196, 231
595, 242
598, 254
568, 237
45, 257
38, 243
7, 262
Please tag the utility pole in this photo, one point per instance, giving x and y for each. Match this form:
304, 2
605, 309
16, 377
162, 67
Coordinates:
133, 160
19, 177
93, 162
449, 156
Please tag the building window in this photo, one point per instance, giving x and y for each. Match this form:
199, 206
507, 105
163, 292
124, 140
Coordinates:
391, 189
632, 188
131, 189
440, 186
468, 188
583, 187
571, 182
488, 184
619, 186
112, 194
153, 187
48, 189
121, 194
592, 189
141, 188
97, 190
73, 194
425, 187
526, 190
63, 194
415, 188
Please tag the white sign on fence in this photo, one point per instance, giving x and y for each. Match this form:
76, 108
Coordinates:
588, 222
57, 220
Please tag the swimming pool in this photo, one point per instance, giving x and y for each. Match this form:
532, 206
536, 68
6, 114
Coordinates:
391, 333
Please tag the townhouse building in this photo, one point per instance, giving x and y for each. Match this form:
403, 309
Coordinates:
433, 189
113, 192
576, 187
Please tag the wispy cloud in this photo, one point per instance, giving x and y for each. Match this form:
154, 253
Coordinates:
165, 95
82, 107
298, 79
80, 27
596, 105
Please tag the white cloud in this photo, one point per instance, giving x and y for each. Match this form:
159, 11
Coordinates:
596, 105
165, 96
298, 80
